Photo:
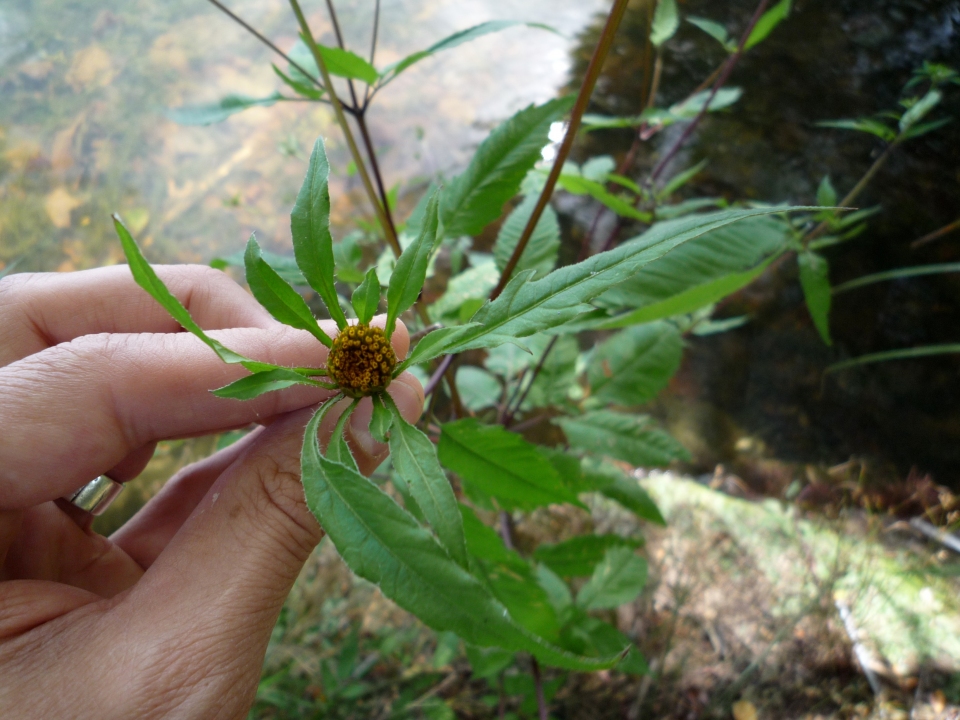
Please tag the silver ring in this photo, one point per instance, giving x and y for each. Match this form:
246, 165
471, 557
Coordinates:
95, 497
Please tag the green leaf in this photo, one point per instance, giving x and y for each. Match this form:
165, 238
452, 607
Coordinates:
526, 307
478, 389
896, 274
681, 179
666, 20
826, 195
337, 450
540, 254
585, 633
366, 298
767, 22
380, 420
631, 438
634, 498
382, 543
699, 272
919, 109
430, 346
579, 555
341, 63
457, 38
631, 367
714, 29
924, 128
556, 589
280, 300
692, 106
577, 185
618, 579
468, 289
146, 278
218, 111
263, 382
902, 354
558, 373
310, 225
488, 663
815, 281
414, 458
410, 272
285, 267
306, 89
476, 197
501, 464
511, 578
866, 125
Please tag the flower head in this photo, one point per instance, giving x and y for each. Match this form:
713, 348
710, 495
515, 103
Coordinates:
361, 360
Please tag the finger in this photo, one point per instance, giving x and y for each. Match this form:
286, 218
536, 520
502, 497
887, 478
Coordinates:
146, 535
26, 604
126, 391
228, 571
40, 310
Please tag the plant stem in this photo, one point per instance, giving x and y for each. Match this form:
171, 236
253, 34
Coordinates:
854, 193
266, 41
376, 31
438, 374
930, 237
655, 86
336, 31
583, 99
538, 683
533, 377
721, 80
345, 127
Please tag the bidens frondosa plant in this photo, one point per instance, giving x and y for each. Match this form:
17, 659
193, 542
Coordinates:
433, 551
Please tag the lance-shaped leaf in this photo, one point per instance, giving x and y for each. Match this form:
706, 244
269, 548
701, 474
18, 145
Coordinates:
512, 579
577, 185
631, 367
580, 555
310, 226
366, 298
219, 111
339, 62
476, 197
526, 307
415, 460
383, 543
409, 273
815, 281
146, 278
767, 22
265, 381
285, 267
337, 450
502, 464
631, 438
306, 89
276, 295
666, 20
615, 581
451, 41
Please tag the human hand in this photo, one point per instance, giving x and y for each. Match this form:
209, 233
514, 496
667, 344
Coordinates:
172, 614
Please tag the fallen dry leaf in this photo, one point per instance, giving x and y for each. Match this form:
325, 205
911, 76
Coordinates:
59, 204
91, 67
744, 710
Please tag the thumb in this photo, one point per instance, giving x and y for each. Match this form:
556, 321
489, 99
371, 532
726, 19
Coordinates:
212, 597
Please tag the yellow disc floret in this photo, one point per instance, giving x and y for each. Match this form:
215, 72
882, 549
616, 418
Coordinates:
361, 360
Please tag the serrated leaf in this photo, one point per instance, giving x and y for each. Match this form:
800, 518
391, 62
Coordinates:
366, 298
382, 543
815, 281
767, 22
826, 194
511, 578
310, 226
618, 579
631, 438
698, 273
540, 254
414, 458
380, 419
146, 278
280, 300
337, 449
218, 111
579, 555
631, 367
526, 307
476, 197
501, 464
457, 38
666, 20
410, 272
285, 267
263, 382
584, 633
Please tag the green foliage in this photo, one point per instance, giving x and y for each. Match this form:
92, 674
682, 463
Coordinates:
666, 20
366, 298
767, 22
618, 579
540, 255
632, 366
219, 111
411, 269
579, 555
631, 438
341, 63
310, 227
815, 281
475, 198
